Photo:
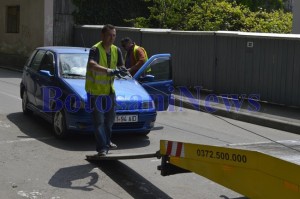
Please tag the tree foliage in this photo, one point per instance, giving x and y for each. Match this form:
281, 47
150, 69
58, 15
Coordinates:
214, 15
109, 11
256, 5
198, 15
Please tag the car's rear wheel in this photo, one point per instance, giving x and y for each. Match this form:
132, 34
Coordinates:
25, 109
59, 124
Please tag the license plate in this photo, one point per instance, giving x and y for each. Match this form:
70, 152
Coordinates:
126, 118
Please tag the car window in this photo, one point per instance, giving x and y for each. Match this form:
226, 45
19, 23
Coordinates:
28, 61
35, 64
160, 68
73, 64
48, 63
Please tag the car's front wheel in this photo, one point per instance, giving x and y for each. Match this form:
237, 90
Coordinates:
144, 133
59, 124
25, 109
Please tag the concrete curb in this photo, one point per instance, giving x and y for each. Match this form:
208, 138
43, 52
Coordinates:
12, 69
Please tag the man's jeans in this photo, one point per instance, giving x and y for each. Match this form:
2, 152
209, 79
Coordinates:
103, 107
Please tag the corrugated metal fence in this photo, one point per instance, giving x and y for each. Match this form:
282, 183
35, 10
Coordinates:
63, 22
223, 62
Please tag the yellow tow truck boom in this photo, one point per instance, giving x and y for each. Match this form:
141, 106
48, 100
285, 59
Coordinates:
258, 171
261, 170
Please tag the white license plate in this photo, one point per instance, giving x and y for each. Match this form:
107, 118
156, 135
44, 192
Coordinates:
126, 118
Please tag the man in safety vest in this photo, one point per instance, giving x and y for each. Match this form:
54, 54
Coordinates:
135, 55
104, 58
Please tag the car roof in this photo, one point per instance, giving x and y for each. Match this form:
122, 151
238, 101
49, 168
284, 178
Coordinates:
65, 49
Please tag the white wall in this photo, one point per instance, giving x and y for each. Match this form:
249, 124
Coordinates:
296, 17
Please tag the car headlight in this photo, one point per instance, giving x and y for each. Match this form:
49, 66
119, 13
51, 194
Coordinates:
148, 104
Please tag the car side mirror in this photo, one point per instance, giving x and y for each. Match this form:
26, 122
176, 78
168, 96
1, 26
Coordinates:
45, 73
147, 78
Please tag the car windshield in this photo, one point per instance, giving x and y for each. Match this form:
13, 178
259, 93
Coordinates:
73, 64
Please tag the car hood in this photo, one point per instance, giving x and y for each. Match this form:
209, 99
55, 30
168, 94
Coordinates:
126, 89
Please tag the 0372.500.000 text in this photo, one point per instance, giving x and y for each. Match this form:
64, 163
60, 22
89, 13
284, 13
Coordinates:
222, 155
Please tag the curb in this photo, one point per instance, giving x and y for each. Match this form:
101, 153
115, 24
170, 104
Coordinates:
12, 69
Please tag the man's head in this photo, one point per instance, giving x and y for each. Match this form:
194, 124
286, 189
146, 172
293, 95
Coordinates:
108, 34
126, 43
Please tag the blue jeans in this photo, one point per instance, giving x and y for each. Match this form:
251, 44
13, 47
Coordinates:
103, 107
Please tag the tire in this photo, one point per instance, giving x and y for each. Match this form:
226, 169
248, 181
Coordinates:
25, 109
59, 125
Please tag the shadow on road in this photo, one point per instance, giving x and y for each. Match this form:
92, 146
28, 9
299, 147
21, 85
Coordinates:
37, 128
132, 182
65, 177
225, 197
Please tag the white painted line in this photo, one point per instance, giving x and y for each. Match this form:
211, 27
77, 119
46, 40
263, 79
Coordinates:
9, 95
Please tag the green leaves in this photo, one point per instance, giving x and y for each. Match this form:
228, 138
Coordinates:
214, 15
96, 12
197, 15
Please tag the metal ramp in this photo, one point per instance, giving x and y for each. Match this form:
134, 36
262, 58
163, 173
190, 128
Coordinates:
123, 156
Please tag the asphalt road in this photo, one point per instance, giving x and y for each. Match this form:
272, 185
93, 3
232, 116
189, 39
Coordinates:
34, 164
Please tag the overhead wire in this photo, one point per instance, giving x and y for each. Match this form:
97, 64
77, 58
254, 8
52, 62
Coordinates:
235, 125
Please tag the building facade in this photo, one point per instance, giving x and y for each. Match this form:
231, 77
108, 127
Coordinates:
27, 24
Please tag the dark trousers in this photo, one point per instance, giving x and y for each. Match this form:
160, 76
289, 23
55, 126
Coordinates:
103, 107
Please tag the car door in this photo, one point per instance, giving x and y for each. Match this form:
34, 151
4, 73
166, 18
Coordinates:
45, 78
30, 75
156, 77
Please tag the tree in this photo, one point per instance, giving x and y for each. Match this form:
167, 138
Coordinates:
222, 15
198, 15
213, 15
109, 11
256, 5
272, 22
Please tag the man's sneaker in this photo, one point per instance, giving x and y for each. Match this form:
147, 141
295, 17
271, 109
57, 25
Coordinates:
102, 153
112, 145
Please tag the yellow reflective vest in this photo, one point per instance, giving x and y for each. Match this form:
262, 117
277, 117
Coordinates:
135, 55
135, 50
98, 83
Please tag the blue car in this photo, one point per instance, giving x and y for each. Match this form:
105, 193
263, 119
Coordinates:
53, 87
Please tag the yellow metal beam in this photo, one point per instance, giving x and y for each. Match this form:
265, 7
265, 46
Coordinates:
250, 173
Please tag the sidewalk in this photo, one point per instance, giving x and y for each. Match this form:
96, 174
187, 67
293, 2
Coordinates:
269, 115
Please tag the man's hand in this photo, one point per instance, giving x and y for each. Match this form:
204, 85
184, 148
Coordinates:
124, 71
113, 72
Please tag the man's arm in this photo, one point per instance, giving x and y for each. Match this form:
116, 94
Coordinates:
120, 58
